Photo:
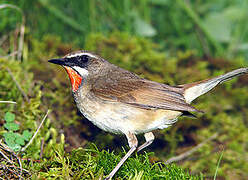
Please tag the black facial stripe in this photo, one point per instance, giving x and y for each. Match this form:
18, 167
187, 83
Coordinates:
80, 61
83, 58
71, 62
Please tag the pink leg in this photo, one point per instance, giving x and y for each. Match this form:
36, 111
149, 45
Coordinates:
133, 143
149, 139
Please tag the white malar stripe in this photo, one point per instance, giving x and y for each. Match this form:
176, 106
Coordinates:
81, 54
83, 72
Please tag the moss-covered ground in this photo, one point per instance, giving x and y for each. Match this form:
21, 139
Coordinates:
63, 147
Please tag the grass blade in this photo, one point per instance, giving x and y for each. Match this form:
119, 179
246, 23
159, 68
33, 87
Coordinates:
216, 171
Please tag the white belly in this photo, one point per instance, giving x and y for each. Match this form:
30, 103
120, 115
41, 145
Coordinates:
120, 118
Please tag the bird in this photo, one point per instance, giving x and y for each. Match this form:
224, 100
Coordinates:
120, 102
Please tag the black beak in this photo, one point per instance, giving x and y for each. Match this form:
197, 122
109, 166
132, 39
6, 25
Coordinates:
64, 62
61, 61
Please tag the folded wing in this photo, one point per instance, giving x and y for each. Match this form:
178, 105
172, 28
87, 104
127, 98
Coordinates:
142, 93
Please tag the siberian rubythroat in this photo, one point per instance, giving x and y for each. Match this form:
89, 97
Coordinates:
120, 102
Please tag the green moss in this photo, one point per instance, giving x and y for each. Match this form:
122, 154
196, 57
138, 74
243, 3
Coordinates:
225, 109
90, 163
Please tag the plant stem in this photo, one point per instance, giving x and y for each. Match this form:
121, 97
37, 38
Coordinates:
216, 171
31, 140
195, 18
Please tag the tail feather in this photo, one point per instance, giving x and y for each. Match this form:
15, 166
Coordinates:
194, 90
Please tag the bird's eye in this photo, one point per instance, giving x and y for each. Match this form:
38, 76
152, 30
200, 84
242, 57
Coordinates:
84, 58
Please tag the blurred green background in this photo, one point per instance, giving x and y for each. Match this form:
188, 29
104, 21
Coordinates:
173, 42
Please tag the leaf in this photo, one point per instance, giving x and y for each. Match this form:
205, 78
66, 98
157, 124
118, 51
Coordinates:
15, 147
235, 13
11, 126
13, 140
26, 135
10, 141
20, 140
9, 117
218, 26
243, 46
9, 136
143, 28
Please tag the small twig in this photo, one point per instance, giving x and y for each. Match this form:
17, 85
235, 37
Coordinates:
31, 140
196, 20
9, 55
3, 39
6, 147
12, 171
29, 159
5, 172
10, 102
21, 40
17, 84
20, 164
22, 27
41, 147
6, 157
203, 42
13, 166
191, 151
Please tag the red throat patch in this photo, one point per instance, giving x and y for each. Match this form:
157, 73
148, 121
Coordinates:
75, 78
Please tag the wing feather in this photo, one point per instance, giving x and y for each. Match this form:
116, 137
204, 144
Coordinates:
141, 93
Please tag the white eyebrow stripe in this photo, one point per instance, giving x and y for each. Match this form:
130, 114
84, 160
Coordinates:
80, 54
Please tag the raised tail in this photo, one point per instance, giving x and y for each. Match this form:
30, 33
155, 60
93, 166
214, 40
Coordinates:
194, 90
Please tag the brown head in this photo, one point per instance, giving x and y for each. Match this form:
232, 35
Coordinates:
81, 66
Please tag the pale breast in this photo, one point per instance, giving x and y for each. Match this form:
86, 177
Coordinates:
121, 118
